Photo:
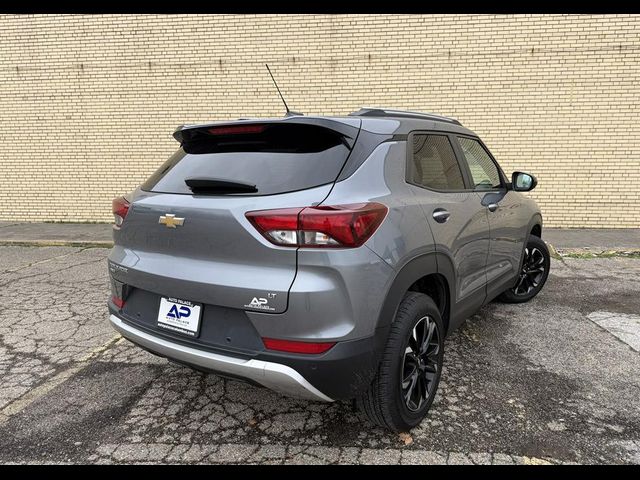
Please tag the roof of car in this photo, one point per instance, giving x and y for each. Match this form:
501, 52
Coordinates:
372, 119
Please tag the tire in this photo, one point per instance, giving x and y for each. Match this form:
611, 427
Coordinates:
533, 274
384, 404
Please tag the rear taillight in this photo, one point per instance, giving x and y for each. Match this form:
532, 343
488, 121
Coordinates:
297, 347
119, 293
120, 207
118, 302
336, 226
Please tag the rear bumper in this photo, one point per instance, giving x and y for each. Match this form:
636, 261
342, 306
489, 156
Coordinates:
275, 376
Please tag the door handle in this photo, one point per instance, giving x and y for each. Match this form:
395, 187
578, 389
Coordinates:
493, 207
440, 215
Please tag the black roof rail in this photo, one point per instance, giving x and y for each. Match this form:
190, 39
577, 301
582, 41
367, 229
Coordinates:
383, 112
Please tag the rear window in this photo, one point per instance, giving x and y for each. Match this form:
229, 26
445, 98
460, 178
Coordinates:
276, 158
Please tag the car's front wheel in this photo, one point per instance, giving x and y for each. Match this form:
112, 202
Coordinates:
410, 369
533, 272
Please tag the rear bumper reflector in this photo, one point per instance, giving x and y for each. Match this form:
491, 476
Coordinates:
297, 347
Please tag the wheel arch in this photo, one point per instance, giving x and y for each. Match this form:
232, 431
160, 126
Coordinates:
435, 286
423, 272
429, 273
534, 228
535, 225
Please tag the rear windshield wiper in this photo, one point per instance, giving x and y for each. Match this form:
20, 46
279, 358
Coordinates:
212, 186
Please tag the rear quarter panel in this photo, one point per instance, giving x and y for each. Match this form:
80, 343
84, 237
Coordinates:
403, 235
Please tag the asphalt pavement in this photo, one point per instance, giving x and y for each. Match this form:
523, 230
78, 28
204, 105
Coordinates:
556, 380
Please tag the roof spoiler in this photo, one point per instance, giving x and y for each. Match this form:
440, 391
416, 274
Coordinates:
348, 128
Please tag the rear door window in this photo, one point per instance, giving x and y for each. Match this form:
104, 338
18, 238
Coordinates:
433, 163
276, 158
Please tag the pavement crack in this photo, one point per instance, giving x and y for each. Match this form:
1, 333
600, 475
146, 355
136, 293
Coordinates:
47, 274
46, 260
19, 404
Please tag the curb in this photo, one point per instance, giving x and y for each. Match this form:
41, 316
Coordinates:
57, 243
553, 251
598, 253
587, 252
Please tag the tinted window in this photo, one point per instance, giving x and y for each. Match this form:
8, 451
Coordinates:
484, 172
434, 164
277, 159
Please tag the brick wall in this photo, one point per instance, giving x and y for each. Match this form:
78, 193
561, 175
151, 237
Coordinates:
88, 103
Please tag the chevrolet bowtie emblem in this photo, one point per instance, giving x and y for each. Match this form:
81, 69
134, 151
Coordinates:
170, 220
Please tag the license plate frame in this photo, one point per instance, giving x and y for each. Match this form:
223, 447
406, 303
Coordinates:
183, 317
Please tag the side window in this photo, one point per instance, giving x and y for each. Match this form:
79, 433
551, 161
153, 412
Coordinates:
433, 163
484, 172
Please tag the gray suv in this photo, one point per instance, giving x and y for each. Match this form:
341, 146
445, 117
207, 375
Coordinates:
323, 257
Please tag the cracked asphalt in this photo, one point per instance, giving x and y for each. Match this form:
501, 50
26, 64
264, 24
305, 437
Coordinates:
532, 383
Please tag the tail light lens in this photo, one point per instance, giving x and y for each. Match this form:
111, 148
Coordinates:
297, 347
119, 293
118, 302
335, 226
120, 207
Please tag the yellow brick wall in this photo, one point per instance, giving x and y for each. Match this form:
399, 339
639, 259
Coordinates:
88, 102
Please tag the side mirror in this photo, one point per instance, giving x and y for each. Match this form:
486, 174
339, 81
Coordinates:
523, 182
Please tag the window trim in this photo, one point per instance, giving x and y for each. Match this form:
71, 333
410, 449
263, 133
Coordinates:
454, 146
460, 153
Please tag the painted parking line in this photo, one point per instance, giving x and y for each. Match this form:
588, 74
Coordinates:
626, 327
35, 394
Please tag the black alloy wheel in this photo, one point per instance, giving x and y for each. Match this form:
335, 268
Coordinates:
420, 365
